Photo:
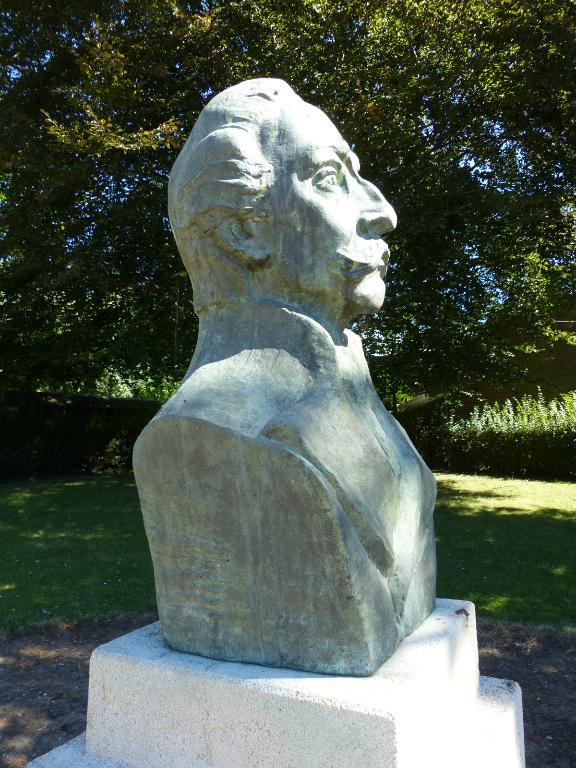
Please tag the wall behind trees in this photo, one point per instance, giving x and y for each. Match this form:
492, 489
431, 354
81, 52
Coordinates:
546, 366
463, 113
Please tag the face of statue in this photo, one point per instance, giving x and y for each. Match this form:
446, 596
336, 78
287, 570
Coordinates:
327, 255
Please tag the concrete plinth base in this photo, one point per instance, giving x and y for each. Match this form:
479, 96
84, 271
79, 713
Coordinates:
152, 707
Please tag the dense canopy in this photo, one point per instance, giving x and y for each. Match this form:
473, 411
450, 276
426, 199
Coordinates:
463, 113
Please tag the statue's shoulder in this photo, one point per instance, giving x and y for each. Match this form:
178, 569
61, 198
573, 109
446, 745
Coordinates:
199, 457
243, 392
195, 431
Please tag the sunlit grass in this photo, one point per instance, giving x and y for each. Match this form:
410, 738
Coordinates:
508, 545
71, 549
76, 548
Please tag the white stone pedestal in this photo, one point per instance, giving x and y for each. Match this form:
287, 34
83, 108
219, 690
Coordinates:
152, 707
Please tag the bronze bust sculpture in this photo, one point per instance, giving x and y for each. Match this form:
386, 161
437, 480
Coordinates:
288, 514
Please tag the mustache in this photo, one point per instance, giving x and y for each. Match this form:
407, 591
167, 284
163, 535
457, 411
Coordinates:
356, 264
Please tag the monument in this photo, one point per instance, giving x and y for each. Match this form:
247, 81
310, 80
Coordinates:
288, 514
289, 517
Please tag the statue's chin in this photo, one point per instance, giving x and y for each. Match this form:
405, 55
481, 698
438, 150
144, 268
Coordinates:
367, 296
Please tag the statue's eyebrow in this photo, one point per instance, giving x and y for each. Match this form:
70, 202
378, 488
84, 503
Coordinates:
342, 152
347, 156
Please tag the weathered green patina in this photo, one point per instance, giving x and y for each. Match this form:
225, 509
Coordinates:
289, 516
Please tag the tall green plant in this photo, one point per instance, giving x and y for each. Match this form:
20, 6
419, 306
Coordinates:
526, 436
525, 415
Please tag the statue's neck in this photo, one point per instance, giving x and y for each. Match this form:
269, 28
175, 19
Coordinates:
267, 328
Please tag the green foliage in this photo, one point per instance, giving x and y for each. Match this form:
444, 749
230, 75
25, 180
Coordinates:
76, 548
48, 434
463, 113
528, 415
111, 383
427, 428
528, 436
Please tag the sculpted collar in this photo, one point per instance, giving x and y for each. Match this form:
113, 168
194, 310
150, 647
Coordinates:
269, 328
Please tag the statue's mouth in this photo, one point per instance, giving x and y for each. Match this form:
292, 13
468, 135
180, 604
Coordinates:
355, 264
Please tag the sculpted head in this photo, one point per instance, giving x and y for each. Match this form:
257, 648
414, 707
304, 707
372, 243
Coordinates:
266, 204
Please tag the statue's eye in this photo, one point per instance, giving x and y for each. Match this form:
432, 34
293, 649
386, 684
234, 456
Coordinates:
328, 178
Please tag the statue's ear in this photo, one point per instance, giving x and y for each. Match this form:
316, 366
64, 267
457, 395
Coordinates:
242, 235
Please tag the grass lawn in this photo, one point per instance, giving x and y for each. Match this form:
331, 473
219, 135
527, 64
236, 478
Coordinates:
76, 548
72, 548
509, 546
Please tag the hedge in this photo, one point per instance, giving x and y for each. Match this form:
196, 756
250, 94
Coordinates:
526, 437
522, 437
48, 433
52, 434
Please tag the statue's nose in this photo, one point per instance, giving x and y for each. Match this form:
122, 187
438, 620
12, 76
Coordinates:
378, 216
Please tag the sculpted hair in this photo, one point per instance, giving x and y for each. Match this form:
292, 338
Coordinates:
218, 188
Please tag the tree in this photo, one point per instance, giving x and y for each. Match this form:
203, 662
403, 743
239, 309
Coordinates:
463, 113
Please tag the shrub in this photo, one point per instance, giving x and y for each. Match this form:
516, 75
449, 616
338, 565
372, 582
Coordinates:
49, 433
427, 427
526, 436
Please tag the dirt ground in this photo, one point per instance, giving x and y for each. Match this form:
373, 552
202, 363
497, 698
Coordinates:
44, 685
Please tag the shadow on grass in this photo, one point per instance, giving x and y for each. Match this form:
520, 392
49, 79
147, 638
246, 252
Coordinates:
515, 561
71, 549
